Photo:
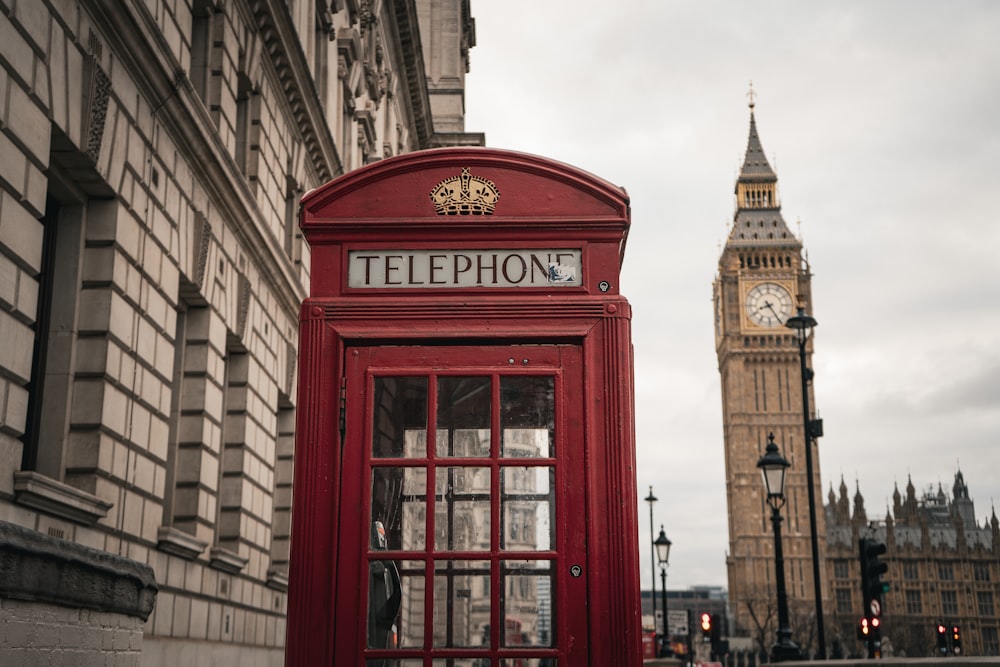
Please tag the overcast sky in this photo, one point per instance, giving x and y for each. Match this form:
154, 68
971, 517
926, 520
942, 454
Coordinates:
882, 121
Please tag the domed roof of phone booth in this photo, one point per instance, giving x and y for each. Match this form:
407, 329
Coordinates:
402, 189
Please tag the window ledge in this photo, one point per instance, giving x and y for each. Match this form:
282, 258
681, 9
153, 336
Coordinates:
277, 579
226, 560
179, 543
46, 494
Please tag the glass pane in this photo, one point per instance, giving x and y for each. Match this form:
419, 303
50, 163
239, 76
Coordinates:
394, 662
396, 593
529, 662
399, 422
462, 662
461, 603
462, 509
463, 416
528, 419
398, 508
527, 602
528, 505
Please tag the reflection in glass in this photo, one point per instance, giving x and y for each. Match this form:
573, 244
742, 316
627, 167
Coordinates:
462, 509
528, 503
470, 442
527, 602
529, 662
400, 417
399, 502
396, 591
461, 603
528, 416
412, 611
463, 416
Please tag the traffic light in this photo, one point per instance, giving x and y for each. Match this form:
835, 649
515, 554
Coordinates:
942, 639
956, 640
872, 570
706, 626
863, 629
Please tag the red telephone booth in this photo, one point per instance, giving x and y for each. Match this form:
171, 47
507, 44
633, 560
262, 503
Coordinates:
465, 458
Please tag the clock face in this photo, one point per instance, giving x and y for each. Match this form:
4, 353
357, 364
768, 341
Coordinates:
768, 305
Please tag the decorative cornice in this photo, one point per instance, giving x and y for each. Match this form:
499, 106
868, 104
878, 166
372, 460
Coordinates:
407, 27
281, 40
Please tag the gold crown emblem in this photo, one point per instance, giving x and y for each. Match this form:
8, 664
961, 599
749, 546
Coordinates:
465, 195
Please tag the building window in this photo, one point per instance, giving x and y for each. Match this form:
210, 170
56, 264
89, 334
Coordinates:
949, 603
204, 24
981, 571
192, 429
844, 605
911, 571
53, 277
841, 570
247, 126
913, 605
946, 572
281, 526
984, 599
991, 642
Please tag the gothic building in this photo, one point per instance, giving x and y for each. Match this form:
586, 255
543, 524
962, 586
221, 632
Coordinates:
762, 279
151, 271
944, 567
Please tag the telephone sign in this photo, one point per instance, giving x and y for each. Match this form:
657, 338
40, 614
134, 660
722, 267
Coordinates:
465, 431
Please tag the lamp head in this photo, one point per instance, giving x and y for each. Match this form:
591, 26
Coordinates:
802, 323
773, 467
662, 545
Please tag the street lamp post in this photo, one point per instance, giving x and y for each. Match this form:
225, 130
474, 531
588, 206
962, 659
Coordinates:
662, 545
803, 325
652, 557
772, 467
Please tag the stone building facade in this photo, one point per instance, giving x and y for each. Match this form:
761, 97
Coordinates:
944, 567
763, 278
151, 270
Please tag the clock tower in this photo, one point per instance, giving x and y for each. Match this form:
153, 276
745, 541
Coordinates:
763, 278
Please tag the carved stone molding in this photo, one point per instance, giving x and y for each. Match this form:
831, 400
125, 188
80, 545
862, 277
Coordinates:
40, 568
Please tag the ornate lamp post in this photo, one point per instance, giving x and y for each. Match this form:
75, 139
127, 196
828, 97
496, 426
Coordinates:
662, 545
803, 325
772, 467
652, 556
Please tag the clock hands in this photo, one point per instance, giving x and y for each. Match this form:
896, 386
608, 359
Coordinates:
767, 304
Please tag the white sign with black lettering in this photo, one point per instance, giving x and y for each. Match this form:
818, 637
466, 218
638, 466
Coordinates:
402, 269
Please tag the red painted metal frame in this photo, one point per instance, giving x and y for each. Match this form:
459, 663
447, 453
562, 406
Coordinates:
543, 204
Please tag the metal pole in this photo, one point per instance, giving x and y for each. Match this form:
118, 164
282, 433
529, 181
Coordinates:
690, 643
813, 538
666, 625
652, 558
784, 648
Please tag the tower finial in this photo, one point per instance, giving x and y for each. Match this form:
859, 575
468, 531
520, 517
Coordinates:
751, 96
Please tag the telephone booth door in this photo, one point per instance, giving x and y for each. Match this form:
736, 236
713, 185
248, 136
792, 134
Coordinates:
466, 496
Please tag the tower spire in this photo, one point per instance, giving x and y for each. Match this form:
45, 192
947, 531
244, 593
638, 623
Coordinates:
758, 219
